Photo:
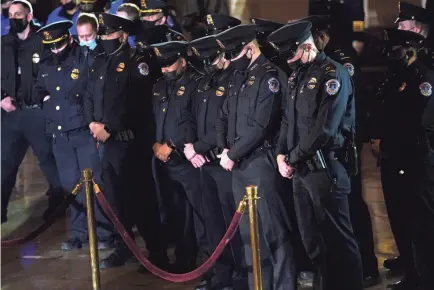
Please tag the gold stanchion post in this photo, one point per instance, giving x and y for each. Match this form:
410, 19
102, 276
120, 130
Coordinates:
252, 197
91, 224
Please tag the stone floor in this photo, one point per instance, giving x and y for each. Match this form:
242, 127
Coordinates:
38, 265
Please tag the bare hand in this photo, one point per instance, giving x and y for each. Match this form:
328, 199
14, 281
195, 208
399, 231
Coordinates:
7, 105
225, 161
155, 148
198, 161
164, 152
285, 170
375, 147
99, 132
189, 151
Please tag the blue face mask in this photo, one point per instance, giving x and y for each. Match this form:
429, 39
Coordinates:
91, 44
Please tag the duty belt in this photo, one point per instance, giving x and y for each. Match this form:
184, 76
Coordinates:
124, 136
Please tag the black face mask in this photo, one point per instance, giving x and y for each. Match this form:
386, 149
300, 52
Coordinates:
18, 25
69, 6
211, 68
241, 64
110, 46
173, 75
58, 58
148, 24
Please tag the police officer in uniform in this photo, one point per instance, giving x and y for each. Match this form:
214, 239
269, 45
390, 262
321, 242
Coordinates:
157, 12
322, 28
113, 110
23, 123
246, 129
402, 145
396, 186
61, 85
320, 106
206, 104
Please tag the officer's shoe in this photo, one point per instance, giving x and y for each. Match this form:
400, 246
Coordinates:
116, 260
370, 281
54, 201
394, 264
404, 284
71, 244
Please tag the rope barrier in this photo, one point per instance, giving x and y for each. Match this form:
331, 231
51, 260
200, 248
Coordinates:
157, 271
47, 224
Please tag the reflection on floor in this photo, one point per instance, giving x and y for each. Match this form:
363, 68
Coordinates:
39, 265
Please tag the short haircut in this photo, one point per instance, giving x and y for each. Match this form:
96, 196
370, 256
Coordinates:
26, 4
132, 10
88, 18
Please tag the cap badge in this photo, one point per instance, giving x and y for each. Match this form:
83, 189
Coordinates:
332, 87
157, 52
47, 35
220, 91
426, 89
35, 58
75, 74
220, 44
143, 4
195, 51
209, 20
121, 67
312, 83
181, 91
100, 19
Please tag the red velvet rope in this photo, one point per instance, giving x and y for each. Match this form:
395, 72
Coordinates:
157, 271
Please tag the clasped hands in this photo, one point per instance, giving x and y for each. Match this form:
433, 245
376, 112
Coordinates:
286, 170
197, 160
99, 131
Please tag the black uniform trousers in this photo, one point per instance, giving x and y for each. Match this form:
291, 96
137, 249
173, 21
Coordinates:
362, 225
217, 182
399, 179
323, 218
277, 259
423, 224
75, 151
20, 129
128, 186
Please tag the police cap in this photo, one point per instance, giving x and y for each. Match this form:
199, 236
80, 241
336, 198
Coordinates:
216, 23
395, 37
157, 34
149, 7
287, 39
110, 23
319, 22
234, 39
168, 52
409, 11
55, 34
206, 48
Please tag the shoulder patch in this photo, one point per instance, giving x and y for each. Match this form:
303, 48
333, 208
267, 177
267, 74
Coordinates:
349, 67
332, 86
425, 89
273, 85
143, 68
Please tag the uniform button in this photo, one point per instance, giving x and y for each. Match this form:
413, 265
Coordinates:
59, 68
59, 128
401, 172
100, 77
57, 108
77, 95
204, 100
57, 88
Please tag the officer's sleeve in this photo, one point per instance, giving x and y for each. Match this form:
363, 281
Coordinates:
88, 103
282, 147
39, 90
268, 104
221, 125
334, 99
187, 123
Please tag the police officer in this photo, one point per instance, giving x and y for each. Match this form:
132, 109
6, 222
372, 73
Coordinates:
320, 106
61, 85
246, 129
206, 104
23, 123
322, 28
172, 97
157, 12
113, 107
396, 186
402, 145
